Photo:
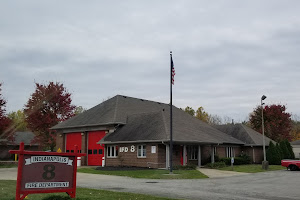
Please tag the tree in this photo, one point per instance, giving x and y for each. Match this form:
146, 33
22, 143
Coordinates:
273, 155
18, 120
214, 120
47, 106
285, 152
189, 110
290, 149
277, 122
295, 132
5, 122
202, 115
79, 110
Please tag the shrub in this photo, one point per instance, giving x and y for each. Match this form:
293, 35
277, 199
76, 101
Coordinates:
215, 165
240, 160
227, 161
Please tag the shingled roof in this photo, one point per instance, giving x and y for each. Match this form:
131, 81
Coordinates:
297, 142
143, 120
243, 133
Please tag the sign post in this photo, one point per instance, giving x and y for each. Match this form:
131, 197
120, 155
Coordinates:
46, 172
232, 161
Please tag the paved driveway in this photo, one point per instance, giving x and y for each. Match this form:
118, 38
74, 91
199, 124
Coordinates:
274, 185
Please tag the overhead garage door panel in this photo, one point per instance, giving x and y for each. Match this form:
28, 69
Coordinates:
95, 151
73, 139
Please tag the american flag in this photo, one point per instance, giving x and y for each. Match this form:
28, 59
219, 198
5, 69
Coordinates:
173, 71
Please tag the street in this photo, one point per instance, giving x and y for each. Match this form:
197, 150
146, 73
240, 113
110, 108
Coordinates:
275, 185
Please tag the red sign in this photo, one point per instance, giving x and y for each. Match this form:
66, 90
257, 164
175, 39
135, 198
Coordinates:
46, 172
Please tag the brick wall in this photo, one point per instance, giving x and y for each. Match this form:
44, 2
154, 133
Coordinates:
154, 160
258, 154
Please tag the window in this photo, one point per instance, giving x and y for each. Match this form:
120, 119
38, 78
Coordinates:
112, 151
95, 151
153, 149
141, 153
100, 151
90, 151
229, 152
193, 152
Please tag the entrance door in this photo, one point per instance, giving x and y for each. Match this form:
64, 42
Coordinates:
73, 139
95, 151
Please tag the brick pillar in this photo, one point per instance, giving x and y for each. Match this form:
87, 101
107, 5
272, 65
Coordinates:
84, 148
60, 141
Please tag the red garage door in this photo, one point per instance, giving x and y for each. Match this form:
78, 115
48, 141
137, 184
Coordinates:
95, 151
73, 139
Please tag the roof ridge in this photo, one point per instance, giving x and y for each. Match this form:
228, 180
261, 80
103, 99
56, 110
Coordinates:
124, 96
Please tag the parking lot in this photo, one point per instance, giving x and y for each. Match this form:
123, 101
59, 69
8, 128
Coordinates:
275, 185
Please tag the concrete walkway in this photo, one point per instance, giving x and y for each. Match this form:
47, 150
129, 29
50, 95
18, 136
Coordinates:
214, 173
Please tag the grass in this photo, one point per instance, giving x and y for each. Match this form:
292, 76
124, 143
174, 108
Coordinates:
6, 165
252, 168
8, 190
149, 173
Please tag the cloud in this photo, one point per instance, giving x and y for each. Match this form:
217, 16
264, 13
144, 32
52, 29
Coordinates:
226, 53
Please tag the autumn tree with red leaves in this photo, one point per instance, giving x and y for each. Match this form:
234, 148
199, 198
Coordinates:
47, 106
277, 121
5, 131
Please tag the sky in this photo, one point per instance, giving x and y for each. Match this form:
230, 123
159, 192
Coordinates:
227, 53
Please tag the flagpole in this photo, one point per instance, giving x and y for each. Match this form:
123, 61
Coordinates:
171, 116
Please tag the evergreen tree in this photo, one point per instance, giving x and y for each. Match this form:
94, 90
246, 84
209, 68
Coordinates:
273, 155
284, 149
279, 151
290, 149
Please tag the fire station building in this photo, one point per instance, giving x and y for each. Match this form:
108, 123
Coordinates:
126, 131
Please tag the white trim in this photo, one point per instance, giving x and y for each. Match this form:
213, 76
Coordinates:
230, 152
199, 156
143, 150
113, 150
184, 155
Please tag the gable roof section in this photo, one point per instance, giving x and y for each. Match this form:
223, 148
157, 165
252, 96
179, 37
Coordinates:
297, 142
155, 126
111, 112
143, 120
244, 133
140, 127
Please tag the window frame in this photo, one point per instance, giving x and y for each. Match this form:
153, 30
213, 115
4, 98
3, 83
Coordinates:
111, 151
143, 151
230, 152
193, 152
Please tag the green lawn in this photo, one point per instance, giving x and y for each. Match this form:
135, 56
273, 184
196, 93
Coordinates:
4, 165
252, 168
149, 173
8, 190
